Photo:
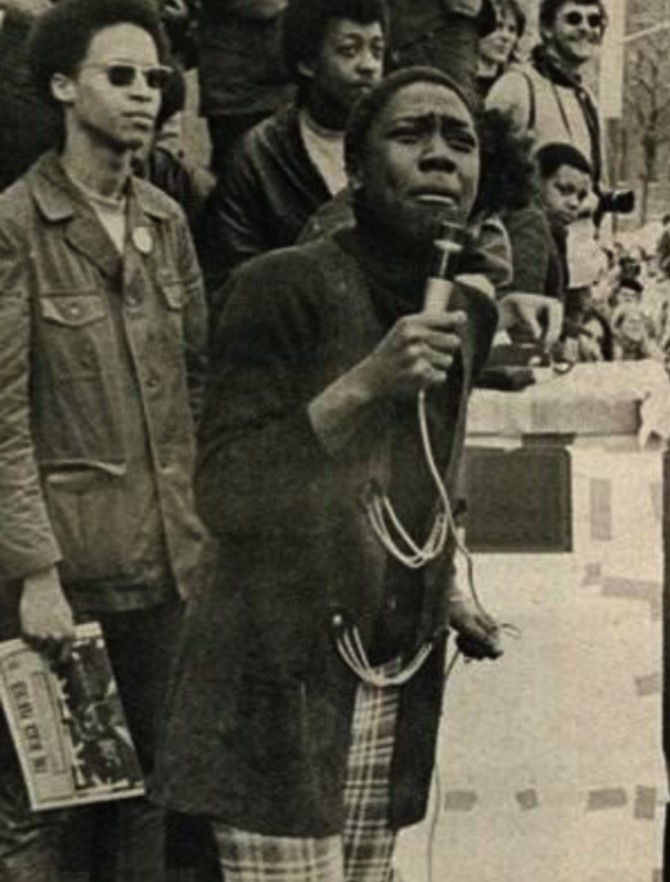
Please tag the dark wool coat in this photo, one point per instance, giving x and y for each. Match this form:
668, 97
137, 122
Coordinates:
259, 720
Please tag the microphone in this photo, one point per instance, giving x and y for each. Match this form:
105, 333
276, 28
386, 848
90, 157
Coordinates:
446, 248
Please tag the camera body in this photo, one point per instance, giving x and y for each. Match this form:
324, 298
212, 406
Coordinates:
616, 201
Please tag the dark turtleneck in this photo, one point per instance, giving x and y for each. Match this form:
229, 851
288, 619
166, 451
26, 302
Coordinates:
396, 279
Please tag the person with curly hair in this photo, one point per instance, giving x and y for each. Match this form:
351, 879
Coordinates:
102, 333
286, 167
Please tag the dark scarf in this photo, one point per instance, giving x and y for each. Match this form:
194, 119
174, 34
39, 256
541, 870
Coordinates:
548, 66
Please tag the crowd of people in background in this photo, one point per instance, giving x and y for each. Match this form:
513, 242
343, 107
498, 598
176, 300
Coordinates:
276, 124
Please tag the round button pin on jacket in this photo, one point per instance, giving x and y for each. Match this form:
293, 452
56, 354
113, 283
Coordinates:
142, 240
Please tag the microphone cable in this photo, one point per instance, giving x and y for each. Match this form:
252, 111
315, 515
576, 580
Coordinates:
382, 516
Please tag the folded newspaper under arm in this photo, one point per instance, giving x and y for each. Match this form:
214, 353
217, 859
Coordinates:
68, 724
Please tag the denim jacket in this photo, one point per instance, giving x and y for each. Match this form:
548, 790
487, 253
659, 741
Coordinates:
95, 348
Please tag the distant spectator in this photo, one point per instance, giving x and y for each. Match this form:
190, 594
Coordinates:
628, 290
601, 289
547, 96
587, 337
538, 232
497, 48
634, 264
241, 72
632, 340
289, 165
596, 342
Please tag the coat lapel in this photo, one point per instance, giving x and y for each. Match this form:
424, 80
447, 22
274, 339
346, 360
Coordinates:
61, 202
86, 235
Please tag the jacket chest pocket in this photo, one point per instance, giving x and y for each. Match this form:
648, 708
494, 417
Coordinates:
74, 327
174, 293
173, 300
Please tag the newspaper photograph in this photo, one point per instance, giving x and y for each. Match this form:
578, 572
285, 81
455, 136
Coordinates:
68, 724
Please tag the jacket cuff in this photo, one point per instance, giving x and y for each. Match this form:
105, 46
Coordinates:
18, 563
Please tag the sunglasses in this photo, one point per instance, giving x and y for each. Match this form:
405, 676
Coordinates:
123, 75
575, 18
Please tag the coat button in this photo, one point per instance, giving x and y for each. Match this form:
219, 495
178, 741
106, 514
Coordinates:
152, 381
338, 621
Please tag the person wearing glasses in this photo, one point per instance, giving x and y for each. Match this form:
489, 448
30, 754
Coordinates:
102, 334
547, 97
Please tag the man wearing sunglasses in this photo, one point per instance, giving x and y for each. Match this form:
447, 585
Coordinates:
547, 97
102, 332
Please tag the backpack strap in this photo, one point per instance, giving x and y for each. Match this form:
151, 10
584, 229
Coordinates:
532, 111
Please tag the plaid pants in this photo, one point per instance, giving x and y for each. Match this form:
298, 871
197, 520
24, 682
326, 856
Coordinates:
364, 851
